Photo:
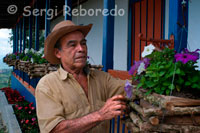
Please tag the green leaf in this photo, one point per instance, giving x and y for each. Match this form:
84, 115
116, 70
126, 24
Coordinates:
178, 71
167, 92
180, 80
195, 79
163, 88
150, 84
143, 80
182, 73
157, 90
172, 87
187, 83
148, 92
139, 85
161, 73
161, 67
166, 83
195, 86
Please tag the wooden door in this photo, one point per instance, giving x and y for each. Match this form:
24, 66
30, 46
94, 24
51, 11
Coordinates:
148, 19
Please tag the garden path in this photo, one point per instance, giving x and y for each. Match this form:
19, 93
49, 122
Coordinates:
3, 128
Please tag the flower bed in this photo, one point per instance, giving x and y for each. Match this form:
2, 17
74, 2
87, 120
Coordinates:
24, 111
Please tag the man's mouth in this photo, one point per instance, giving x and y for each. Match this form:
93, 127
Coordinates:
81, 57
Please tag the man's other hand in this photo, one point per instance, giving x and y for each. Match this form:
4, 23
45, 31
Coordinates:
113, 107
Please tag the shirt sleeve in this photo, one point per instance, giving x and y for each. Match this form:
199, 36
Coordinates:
49, 108
115, 86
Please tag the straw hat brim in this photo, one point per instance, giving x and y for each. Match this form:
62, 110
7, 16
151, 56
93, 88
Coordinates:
54, 36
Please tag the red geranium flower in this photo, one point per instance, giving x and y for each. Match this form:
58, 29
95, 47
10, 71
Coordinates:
26, 121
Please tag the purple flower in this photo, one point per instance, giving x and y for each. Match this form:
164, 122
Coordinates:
195, 54
146, 62
137, 64
134, 67
128, 89
184, 58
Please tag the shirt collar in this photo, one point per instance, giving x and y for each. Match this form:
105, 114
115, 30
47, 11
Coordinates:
63, 74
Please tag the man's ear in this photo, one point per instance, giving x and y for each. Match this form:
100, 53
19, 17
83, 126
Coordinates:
57, 53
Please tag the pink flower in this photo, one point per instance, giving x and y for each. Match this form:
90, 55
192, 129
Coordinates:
19, 108
26, 121
32, 108
33, 119
184, 58
25, 108
30, 104
29, 112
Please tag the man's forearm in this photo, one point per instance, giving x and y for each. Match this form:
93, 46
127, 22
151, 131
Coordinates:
80, 125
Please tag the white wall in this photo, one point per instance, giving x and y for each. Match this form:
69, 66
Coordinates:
121, 37
95, 37
193, 27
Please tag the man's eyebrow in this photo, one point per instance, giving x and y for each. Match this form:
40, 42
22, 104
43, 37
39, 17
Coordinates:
73, 41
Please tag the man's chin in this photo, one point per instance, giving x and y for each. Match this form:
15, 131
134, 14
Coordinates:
80, 64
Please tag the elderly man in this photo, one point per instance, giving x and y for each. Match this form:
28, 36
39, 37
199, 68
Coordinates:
75, 98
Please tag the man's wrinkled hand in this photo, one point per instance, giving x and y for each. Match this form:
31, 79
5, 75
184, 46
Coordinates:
113, 107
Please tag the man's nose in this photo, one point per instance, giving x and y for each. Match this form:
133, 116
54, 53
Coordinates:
80, 48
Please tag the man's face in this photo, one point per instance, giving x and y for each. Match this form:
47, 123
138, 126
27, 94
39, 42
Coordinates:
73, 53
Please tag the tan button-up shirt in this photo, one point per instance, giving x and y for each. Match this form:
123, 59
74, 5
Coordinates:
60, 97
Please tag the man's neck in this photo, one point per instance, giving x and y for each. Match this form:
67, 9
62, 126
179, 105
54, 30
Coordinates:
80, 76
74, 71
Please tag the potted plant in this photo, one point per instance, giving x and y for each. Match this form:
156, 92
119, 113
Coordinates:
165, 91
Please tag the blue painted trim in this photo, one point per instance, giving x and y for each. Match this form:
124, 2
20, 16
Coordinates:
26, 77
129, 35
108, 36
20, 41
15, 84
118, 124
47, 19
135, 0
17, 35
123, 126
175, 15
140, 26
113, 125
68, 4
30, 30
34, 82
110, 126
164, 4
24, 34
37, 35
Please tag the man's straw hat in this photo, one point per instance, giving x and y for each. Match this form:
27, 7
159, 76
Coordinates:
59, 31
